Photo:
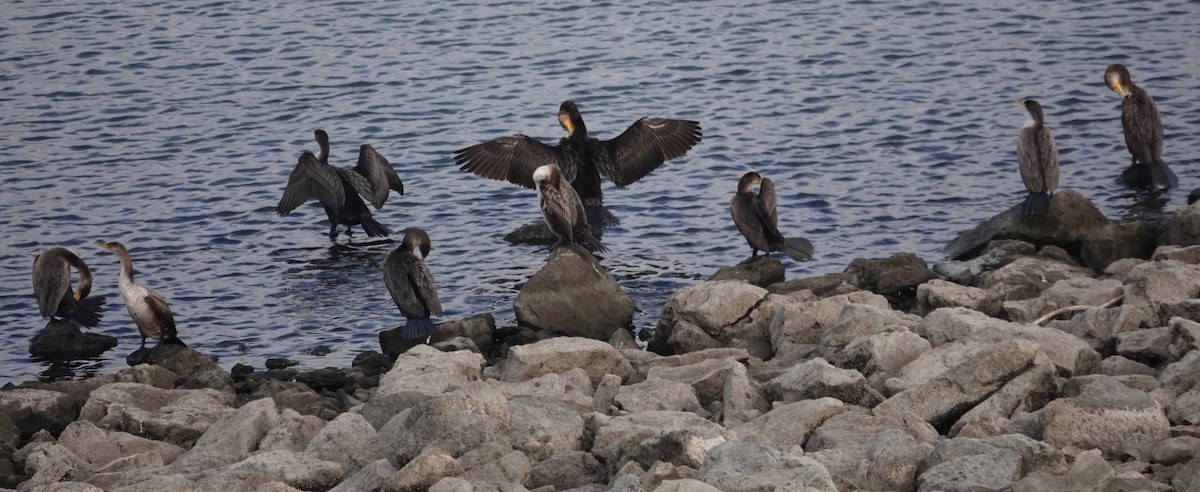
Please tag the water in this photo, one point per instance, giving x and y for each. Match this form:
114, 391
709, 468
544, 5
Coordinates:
172, 126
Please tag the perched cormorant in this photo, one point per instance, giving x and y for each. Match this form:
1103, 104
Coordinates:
1143, 128
562, 209
147, 308
338, 189
1037, 158
644, 146
52, 288
757, 220
411, 284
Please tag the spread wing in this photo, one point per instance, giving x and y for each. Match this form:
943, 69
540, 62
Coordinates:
645, 145
310, 179
379, 174
359, 182
512, 159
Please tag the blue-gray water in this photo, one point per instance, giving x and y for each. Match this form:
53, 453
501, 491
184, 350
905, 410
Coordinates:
172, 126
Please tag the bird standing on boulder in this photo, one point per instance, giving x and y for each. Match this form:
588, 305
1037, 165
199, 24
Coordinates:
147, 308
1037, 159
1143, 128
562, 210
583, 160
338, 189
52, 288
756, 218
411, 284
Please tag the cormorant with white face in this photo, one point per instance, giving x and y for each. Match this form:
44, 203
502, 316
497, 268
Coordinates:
562, 209
148, 308
52, 288
411, 285
1143, 128
758, 221
1037, 159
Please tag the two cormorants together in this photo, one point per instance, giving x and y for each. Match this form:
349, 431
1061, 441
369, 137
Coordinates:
1037, 159
583, 160
52, 288
411, 285
1143, 128
338, 189
147, 308
757, 219
562, 209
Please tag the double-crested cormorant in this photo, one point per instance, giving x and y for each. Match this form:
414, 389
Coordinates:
757, 220
1143, 127
338, 189
644, 146
52, 288
147, 308
562, 209
411, 284
1037, 158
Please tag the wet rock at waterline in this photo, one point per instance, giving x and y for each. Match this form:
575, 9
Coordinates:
1071, 217
63, 340
573, 295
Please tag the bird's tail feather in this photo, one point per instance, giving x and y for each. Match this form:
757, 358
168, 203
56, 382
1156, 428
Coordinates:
89, 311
1036, 204
375, 229
1161, 176
797, 248
599, 216
592, 244
173, 340
418, 328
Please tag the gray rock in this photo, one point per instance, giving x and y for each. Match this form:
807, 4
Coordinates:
748, 466
543, 427
348, 440
1180, 229
790, 425
1108, 416
895, 278
606, 393
1027, 277
452, 484
496, 463
762, 271
194, 370
685, 485
1099, 327
9, 437
818, 379
806, 322
1070, 354
177, 416
1112, 242
370, 477
1089, 472
1187, 477
63, 340
562, 354
297, 397
819, 286
574, 295
743, 400
53, 462
1069, 219
572, 387
1079, 291
1186, 408
892, 460
1182, 254
297, 470
455, 422
882, 355
1117, 365
230, 439
567, 470
939, 293
662, 472
418, 375
686, 337
293, 432
1155, 282
842, 441
456, 344
1151, 346
1175, 450
710, 306
996, 471
858, 321
680, 438
706, 377
425, 470
995, 255
1182, 375
1026, 392
480, 328
100, 448
657, 394
34, 409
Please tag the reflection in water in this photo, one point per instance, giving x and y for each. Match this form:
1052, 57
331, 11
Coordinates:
60, 370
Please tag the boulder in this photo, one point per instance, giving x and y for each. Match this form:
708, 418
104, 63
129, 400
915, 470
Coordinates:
685, 485
1150, 346
750, 466
742, 400
561, 354
496, 463
859, 321
957, 330
1089, 472
194, 370
53, 462
62, 340
762, 271
806, 322
892, 460
1027, 277
657, 394
293, 432
1112, 242
479, 328
297, 397
425, 470
297, 470
573, 295
370, 477
568, 470
882, 355
1108, 416
995, 255
543, 427
818, 379
895, 278
841, 443
1069, 218
819, 286
1079, 291
176, 416
32, 410
573, 388
710, 306
418, 375
680, 438
789, 425
454, 422
939, 293
230, 439
1182, 254
1182, 228
1175, 450
1027, 392
706, 377
100, 448
348, 440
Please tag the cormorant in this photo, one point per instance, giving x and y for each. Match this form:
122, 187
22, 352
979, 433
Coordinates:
147, 308
562, 210
756, 218
1037, 159
338, 189
644, 146
411, 285
1143, 128
52, 288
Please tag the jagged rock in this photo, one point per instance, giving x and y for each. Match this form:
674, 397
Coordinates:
957, 330
100, 448
1175, 450
1027, 277
1117, 365
895, 278
567, 470
818, 379
997, 254
348, 439
820, 286
10, 436
418, 375
1089, 472
573, 295
1182, 254
681, 438
543, 427
296, 396
1079, 291
859, 321
742, 400
53, 462
455, 422
790, 425
371, 363
606, 393
34, 409
882, 355
662, 472
685, 485
480, 329
1151, 346
748, 466
452, 484
710, 306
762, 271
1108, 416
230, 439
176, 416
62, 340
573, 388
370, 477
423, 471
1069, 219
657, 394
456, 344
562, 354
194, 370
1182, 375
496, 463
297, 470
842, 441
805, 322
939, 293
1182, 228
292, 432
1186, 408
1112, 242
706, 377
1026, 392
892, 460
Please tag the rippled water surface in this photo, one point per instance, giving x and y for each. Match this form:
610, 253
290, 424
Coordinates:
888, 128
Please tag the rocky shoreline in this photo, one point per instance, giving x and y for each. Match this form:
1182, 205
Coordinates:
1059, 353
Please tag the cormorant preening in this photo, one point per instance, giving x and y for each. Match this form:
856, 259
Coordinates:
147, 308
1143, 127
411, 285
562, 209
644, 146
338, 189
1037, 159
757, 220
52, 288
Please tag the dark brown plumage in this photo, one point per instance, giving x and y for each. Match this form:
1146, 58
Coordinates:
148, 308
1037, 159
562, 210
1142, 125
757, 219
583, 160
411, 284
52, 288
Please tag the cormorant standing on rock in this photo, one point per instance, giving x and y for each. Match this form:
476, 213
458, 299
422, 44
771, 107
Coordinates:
1037, 159
583, 160
411, 285
52, 288
1143, 128
147, 308
757, 220
562, 209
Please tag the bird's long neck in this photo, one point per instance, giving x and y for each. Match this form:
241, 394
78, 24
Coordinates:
85, 276
323, 155
126, 266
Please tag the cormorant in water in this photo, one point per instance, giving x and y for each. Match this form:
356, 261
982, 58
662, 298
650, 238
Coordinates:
1143, 128
147, 308
757, 220
411, 285
52, 288
338, 189
644, 146
1037, 158
562, 210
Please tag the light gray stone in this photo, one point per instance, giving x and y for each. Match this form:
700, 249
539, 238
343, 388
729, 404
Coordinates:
657, 394
1076, 291
817, 379
892, 460
573, 387
1027, 277
681, 438
709, 306
1108, 416
561, 354
842, 441
567, 470
1089, 472
298, 470
177, 416
35, 409
455, 422
1026, 392
543, 427
348, 440
939, 293
99, 448
1150, 345
789, 425
805, 322
230, 439
292, 432
743, 400
496, 463
747, 466
423, 471
971, 473
706, 377
419, 374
